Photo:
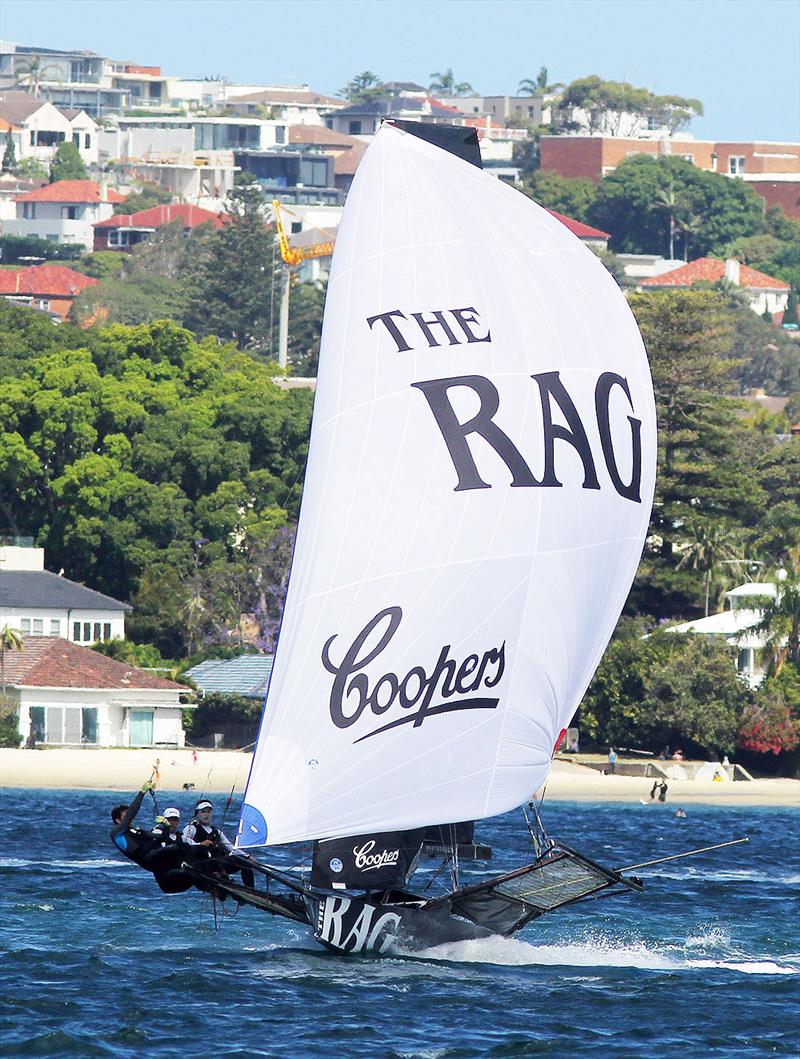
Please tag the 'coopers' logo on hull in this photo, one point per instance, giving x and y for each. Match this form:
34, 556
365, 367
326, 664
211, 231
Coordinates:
456, 684
366, 860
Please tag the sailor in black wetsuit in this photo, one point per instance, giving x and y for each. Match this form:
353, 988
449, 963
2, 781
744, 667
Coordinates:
151, 850
209, 849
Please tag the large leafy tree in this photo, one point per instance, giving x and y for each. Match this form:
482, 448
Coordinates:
305, 327
363, 88
607, 104
647, 199
568, 195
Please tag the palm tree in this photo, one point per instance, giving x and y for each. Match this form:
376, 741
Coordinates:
538, 86
10, 640
706, 545
668, 199
445, 84
31, 73
780, 622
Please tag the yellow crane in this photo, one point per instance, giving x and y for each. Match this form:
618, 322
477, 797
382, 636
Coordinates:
291, 256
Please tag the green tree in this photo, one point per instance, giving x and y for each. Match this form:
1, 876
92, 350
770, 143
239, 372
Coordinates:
705, 545
607, 103
632, 204
233, 279
790, 313
17, 248
571, 196
539, 85
363, 88
137, 299
67, 164
445, 84
780, 622
10, 640
30, 169
702, 477
148, 195
305, 328
9, 153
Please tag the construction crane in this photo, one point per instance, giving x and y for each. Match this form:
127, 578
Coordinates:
291, 256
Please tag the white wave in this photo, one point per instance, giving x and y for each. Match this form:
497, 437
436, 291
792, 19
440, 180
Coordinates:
747, 966
518, 953
97, 862
731, 875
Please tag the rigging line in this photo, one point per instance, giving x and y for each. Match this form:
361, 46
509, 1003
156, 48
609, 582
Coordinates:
689, 853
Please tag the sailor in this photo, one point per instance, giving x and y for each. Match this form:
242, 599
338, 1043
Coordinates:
167, 863
206, 843
149, 849
166, 827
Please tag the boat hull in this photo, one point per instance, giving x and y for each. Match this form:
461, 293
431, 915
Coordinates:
359, 925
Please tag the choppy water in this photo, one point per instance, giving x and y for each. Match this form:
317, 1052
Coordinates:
97, 962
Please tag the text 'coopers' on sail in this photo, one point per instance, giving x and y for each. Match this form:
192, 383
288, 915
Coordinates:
479, 483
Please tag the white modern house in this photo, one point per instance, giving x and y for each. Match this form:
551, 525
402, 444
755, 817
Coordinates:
67, 695
36, 602
735, 627
63, 212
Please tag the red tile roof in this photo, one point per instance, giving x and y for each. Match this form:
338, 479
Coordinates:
50, 662
156, 216
71, 191
55, 281
583, 231
712, 270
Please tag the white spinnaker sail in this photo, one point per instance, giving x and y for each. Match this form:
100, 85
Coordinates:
478, 490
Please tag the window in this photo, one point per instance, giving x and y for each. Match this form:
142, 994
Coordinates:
736, 164
89, 724
38, 627
55, 627
297, 226
37, 717
69, 213
76, 631
280, 134
76, 139
107, 630
29, 210
43, 303
87, 141
87, 632
25, 626
96, 631
354, 128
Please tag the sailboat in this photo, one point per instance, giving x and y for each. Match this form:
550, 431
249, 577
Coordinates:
479, 483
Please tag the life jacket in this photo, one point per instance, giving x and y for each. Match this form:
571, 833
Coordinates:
205, 831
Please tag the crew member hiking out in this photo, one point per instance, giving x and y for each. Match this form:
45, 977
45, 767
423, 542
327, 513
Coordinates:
149, 849
209, 849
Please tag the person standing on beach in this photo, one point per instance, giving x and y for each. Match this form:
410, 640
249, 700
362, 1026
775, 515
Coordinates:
612, 760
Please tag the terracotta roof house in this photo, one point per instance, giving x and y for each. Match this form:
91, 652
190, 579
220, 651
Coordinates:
67, 695
63, 212
51, 288
585, 232
287, 102
765, 291
123, 231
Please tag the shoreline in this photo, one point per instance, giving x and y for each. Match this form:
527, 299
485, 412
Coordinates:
219, 771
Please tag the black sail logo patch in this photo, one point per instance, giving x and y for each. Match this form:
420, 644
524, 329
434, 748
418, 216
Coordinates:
456, 684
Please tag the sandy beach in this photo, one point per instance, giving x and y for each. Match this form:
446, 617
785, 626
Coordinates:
217, 771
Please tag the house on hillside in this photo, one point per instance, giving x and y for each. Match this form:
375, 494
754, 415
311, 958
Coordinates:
67, 78
38, 127
49, 288
293, 103
36, 602
64, 212
735, 627
591, 236
67, 695
346, 151
124, 231
364, 119
765, 292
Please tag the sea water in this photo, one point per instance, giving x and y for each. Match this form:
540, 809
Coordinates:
97, 962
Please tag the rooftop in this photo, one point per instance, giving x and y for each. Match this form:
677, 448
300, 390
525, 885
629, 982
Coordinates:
583, 231
16, 106
712, 270
41, 588
50, 662
71, 191
167, 213
247, 675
